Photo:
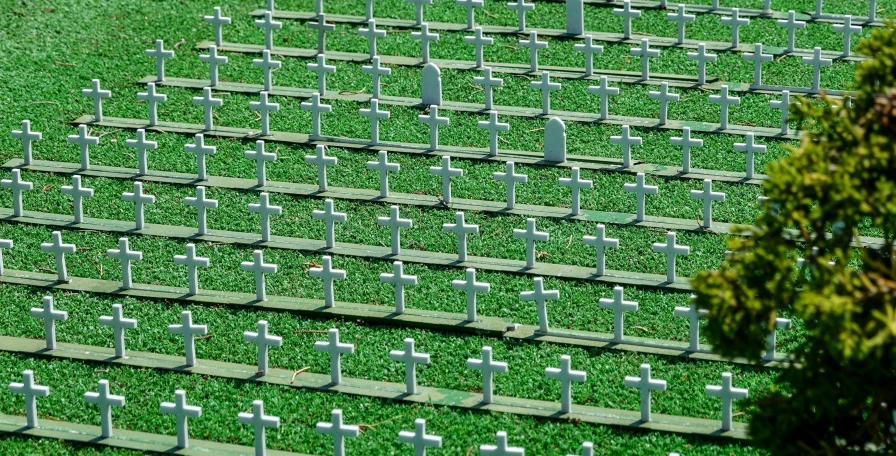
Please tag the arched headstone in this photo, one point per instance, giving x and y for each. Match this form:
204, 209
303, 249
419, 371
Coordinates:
432, 85
555, 140
575, 24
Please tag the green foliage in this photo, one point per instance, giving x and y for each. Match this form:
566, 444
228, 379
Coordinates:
833, 399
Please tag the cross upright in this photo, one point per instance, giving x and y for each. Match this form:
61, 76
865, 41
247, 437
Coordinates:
672, 251
321, 160
627, 14
566, 375
106, 401
433, 121
664, 98
376, 72
330, 218
470, 286
213, 60
139, 200
681, 18
487, 82
686, 143
604, 91
627, 141
791, 24
188, 330
142, 145
268, 25
49, 315
267, 66
728, 394
546, 87
817, 62
735, 21
375, 114
322, 69
489, 368
4, 244
217, 22
645, 53
192, 262
708, 196
641, 191
589, 49
847, 29
784, 105
419, 438
493, 127
446, 172
208, 102
264, 109
57, 248
418, 11
619, 307
646, 385
576, 184
259, 421
771, 339
521, 7
701, 57
125, 255
265, 210
399, 280
335, 349
724, 100
84, 141
322, 28
260, 157
201, 204
531, 236
461, 229
181, 412
316, 109
31, 391
339, 431
383, 166
751, 148
693, 314
425, 37
511, 179
533, 45
328, 274
502, 448
410, 360
152, 100
600, 242
160, 54
395, 224
540, 296
259, 268
757, 57
371, 33
27, 137
479, 41
17, 185
118, 324
469, 5
97, 95
263, 340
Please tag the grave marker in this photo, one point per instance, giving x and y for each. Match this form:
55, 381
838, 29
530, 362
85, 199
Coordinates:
771, 339
470, 286
322, 28
493, 127
478, 41
531, 236
640, 190
757, 57
160, 54
619, 306
371, 33
521, 7
671, 250
152, 99
511, 179
4, 244
446, 172
646, 385
259, 268
419, 438
384, 168
728, 393
395, 224
269, 25
708, 196
27, 137
575, 15
259, 421
604, 91
399, 280
376, 71
533, 45
724, 100
125, 255
751, 148
201, 204
461, 229
218, 22
626, 141
791, 24
410, 360
263, 340
486, 81
84, 141
425, 37
58, 249
17, 185
264, 109
681, 18
49, 315
566, 376
501, 449
433, 121
328, 274
375, 115
322, 69
664, 98
701, 57
139, 200
540, 296
418, 10
589, 49
208, 102
645, 53
321, 160
489, 368
847, 29
267, 66
181, 412
546, 87
693, 314
555, 140
338, 430
97, 95
213, 60
601, 243
469, 5
265, 210
191, 261
329, 217
576, 184
627, 14
335, 349
316, 109
735, 21
188, 330
588, 450
817, 62
260, 157
142, 145
106, 401
784, 106
119, 324
686, 143
31, 391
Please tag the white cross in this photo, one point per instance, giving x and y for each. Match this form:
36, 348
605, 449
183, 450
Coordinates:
479, 41
395, 223
124, 254
375, 114
384, 168
470, 4
645, 53
368, 9
641, 191
672, 251
686, 143
425, 37
410, 360
533, 45
461, 229
399, 280
264, 108
588, 450
724, 100
791, 24
619, 307
546, 87
751, 148
213, 60
540, 296
627, 141
78, 194
191, 261
575, 183
530, 235
735, 21
328, 274
847, 29
259, 268
728, 393
260, 157
664, 97
433, 120
187, 329
322, 28
872, 9
139, 199
446, 172
521, 7
681, 18
510, 178
97, 95
757, 57
376, 72
27, 137
263, 340
770, 340
329, 217
181, 412
49, 315
57, 248
604, 91
268, 25
693, 314
267, 65
118, 324
708, 196
566, 376
784, 106
322, 69
31, 392
84, 141
208, 102
335, 349
418, 11
4, 244
152, 99
371, 33
627, 14
486, 81
160, 55
338, 430
589, 48
488, 368
470, 286
217, 22
600, 242
106, 401
201, 204
265, 210
817, 62
646, 385
501, 449
493, 127
316, 109
419, 438
17, 185
321, 160
142, 145
259, 421
818, 7
701, 57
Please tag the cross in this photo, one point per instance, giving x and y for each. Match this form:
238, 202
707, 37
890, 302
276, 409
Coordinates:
728, 393
446, 172
27, 138
264, 209
640, 190
600, 242
671, 250
375, 114
328, 274
187, 329
470, 4
708, 196
259, 421
425, 37
418, 11
701, 57
847, 29
664, 97
589, 48
84, 141
267, 65
335, 349
106, 401
588, 450
118, 324
751, 148
735, 21
4, 244
530, 235
322, 69
338, 430
619, 307
395, 223
488, 368
17, 185
160, 55
784, 106
681, 18
575, 183
540, 296
139, 199
31, 392
757, 57
125, 255
142, 145
645, 53
646, 385
627, 14
627, 141
264, 108
693, 314
546, 87
817, 62
322, 28
329, 217
57, 248
260, 268
501, 449
207, 103
49, 316
371, 33
322, 161
872, 9
723, 100
260, 157
686, 143
213, 60
604, 91
268, 25
533, 45
521, 7
263, 340
191, 261
479, 41
486, 81
461, 229
316, 109
410, 360
97, 95
791, 24
566, 376
470, 286
201, 204
511, 179
384, 168
376, 71
152, 99
493, 127
217, 22
399, 280
181, 412
433, 120
419, 438
770, 340
78, 194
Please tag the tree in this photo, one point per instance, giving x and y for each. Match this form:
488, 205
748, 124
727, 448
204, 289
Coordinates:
839, 394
